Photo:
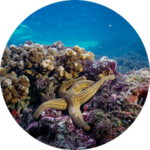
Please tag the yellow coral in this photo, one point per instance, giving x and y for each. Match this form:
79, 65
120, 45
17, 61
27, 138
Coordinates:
28, 63
70, 53
38, 61
50, 57
6, 57
2, 71
2, 63
52, 51
39, 75
84, 56
68, 75
80, 69
47, 65
24, 80
35, 56
13, 80
91, 55
75, 64
74, 74
61, 70
14, 89
7, 95
32, 73
21, 65
12, 46
76, 48
14, 100
61, 52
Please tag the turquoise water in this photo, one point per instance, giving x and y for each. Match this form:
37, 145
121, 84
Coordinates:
89, 25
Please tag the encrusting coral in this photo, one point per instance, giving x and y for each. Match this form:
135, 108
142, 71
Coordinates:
51, 82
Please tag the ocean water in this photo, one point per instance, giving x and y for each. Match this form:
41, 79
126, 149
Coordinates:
89, 25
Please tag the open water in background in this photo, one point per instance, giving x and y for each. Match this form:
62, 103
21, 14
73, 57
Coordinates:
89, 25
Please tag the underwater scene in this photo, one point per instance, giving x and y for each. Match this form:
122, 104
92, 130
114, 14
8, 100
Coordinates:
75, 75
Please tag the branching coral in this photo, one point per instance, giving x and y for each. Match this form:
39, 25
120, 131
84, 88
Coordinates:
14, 89
69, 62
37, 61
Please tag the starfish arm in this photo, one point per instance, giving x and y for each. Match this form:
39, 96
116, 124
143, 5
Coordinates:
81, 85
58, 103
76, 116
89, 92
67, 84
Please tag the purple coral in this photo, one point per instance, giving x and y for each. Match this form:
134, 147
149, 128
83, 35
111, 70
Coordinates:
31, 126
42, 83
103, 64
58, 45
29, 42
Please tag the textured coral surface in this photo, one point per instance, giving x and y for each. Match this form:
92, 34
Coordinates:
31, 74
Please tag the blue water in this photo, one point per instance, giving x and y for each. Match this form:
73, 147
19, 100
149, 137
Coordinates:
89, 25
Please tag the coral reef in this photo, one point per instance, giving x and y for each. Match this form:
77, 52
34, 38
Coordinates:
45, 85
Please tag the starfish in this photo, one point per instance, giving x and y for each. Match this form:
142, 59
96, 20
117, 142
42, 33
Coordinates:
80, 92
